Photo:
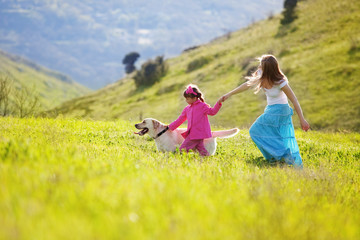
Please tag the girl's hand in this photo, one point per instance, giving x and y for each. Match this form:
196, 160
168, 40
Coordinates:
223, 98
304, 125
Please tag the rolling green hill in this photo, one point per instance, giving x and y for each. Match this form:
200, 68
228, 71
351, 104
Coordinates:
53, 88
319, 52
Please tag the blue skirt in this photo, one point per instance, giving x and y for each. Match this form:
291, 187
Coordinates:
273, 133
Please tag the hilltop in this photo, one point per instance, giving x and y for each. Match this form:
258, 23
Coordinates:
319, 52
53, 88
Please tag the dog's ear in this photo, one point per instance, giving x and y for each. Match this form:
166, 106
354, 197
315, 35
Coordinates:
156, 124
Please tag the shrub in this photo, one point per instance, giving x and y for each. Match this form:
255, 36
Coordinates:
289, 11
5, 89
151, 71
197, 63
26, 101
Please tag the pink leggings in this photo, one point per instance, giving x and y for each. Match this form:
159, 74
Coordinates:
195, 144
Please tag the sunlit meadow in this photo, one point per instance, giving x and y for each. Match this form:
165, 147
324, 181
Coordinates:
76, 179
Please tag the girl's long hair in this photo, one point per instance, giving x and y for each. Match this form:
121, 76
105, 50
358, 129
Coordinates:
268, 71
195, 88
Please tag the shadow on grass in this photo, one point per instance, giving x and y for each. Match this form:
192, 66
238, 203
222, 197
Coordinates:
261, 162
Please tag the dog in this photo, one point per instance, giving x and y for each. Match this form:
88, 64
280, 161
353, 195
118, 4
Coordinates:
167, 140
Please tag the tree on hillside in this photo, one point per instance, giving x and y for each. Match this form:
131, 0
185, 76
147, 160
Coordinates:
151, 71
129, 61
290, 4
289, 11
5, 89
26, 101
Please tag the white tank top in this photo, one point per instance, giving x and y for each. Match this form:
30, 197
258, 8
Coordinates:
275, 95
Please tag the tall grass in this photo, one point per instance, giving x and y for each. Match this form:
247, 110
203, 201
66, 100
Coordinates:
76, 179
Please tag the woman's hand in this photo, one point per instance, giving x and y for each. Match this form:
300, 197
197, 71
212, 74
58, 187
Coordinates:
223, 98
304, 125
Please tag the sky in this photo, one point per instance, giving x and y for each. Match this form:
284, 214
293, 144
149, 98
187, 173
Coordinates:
88, 39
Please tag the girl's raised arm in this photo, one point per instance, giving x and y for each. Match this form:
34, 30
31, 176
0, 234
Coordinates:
291, 95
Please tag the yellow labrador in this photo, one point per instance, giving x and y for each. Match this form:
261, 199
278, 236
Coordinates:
167, 140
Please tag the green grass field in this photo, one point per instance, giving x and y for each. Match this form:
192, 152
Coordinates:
77, 179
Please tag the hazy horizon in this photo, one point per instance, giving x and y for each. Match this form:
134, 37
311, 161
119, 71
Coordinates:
87, 40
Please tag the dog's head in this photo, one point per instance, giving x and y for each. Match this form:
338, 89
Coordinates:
149, 125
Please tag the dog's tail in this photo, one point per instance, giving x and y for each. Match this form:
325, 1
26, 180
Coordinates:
225, 133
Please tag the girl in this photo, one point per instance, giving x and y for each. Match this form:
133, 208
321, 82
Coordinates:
198, 127
273, 131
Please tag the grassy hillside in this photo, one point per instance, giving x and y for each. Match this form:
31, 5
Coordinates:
53, 88
319, 52
72, 179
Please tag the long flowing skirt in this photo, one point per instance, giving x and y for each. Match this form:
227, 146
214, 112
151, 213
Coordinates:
273, 133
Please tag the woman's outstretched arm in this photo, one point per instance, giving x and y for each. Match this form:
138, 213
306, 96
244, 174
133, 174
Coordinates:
241, 88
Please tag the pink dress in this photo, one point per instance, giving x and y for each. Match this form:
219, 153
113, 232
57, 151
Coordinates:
198, 127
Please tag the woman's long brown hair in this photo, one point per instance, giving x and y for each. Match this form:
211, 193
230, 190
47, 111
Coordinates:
270, 73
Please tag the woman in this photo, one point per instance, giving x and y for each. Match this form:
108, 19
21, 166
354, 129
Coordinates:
273, 131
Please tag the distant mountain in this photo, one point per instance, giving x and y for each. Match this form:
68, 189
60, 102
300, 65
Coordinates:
88, 39
319, 52
53, 88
